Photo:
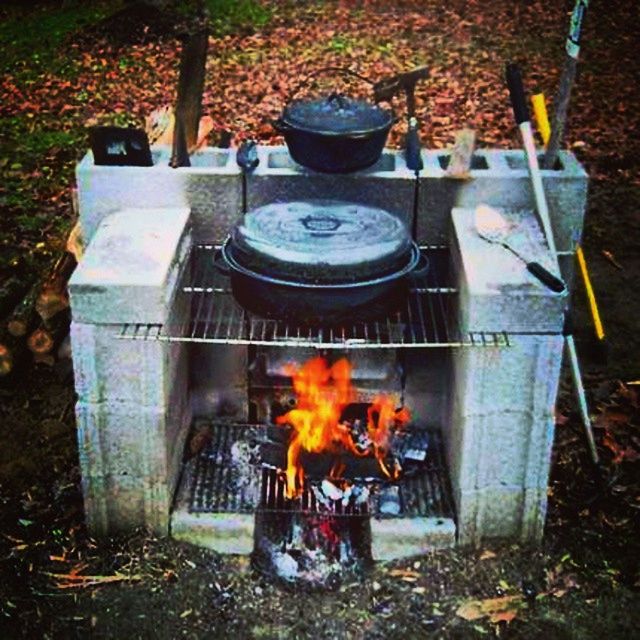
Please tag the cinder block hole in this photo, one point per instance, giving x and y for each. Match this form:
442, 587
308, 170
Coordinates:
520, 162
209, 158
386, 162
477, 162
280, 160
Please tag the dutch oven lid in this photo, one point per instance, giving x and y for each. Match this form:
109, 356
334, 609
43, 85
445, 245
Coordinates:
322, 233
336, 114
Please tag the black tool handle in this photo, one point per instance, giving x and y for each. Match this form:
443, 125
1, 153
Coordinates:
412, 151
546, 277
516, 93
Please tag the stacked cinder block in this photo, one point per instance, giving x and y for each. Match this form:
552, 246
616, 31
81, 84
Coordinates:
500, 435
132, 410
211, 188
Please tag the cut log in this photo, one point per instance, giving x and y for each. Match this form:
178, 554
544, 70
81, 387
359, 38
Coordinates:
12, 352
53, 297
50, 333
75, 242
11, 292
24, 318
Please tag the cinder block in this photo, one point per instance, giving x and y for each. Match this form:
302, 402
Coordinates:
130, 269
228, 533
500, 178
394, 538
121, 503
497, 293
504, 512
501, 433
121, 439
218, 375
388, 184
211, 187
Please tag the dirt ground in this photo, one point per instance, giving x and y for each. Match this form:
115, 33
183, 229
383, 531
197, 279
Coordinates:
583, 582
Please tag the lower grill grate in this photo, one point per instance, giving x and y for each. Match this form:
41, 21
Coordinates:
229, 477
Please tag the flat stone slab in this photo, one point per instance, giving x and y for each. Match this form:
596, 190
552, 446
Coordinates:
130, 268
394, 538
497, 293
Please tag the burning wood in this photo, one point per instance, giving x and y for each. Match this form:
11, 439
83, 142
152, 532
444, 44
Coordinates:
321, 423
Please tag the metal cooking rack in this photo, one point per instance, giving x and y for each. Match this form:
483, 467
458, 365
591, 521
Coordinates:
428, 319
217, 488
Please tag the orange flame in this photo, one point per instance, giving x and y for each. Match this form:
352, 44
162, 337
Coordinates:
323, 392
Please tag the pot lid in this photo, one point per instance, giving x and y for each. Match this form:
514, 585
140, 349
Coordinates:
322, 232
336, 114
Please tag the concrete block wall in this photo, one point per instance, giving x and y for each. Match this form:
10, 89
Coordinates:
133, 407
499, 437
501, 179
211, 187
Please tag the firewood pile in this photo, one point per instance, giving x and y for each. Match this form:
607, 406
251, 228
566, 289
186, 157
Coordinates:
35, 318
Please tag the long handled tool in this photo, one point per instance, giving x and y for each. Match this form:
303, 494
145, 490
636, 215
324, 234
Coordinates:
519, 103
566, 83
521, 112
540, 112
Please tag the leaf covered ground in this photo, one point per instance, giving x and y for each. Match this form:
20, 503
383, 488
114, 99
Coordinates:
68, 65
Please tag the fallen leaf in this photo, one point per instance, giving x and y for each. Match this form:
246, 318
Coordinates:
487, 555
404, 573
611, 258
496, 609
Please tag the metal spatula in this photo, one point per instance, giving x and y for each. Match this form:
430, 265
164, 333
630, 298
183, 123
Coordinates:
492, 227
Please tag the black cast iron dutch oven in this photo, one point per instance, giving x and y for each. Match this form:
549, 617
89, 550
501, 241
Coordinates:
335, 134
321, 261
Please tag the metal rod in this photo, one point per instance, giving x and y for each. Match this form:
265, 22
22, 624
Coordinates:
582, 398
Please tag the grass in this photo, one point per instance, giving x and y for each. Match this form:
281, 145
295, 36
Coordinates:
34, 36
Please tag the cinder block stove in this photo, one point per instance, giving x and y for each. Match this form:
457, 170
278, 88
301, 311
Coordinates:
162, 351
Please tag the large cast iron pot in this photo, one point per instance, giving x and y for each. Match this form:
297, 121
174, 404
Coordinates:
335, 133
321, 262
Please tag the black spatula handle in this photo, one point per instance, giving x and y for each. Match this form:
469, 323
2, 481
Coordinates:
516, 92
546, 277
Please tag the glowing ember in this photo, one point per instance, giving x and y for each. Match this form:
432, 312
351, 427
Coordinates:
323, 392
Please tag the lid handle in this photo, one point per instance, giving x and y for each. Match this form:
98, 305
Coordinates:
322, 224
341, 70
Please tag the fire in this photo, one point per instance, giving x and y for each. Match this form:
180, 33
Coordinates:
323, 392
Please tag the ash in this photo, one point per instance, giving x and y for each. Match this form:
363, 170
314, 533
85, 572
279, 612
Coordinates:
317, 552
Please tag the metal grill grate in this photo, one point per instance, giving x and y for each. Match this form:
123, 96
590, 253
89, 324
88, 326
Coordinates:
229, 478
428, 319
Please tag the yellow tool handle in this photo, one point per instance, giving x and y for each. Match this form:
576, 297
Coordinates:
597, 322
540, 112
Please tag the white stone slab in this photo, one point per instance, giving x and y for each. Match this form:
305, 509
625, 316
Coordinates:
129, 270
497, 293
